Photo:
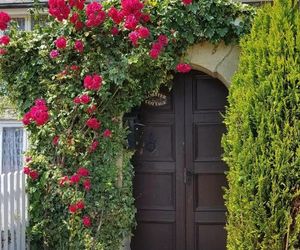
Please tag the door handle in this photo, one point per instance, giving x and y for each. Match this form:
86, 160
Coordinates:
187, 175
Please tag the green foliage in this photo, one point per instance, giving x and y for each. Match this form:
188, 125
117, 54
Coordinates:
262, 145
129, 76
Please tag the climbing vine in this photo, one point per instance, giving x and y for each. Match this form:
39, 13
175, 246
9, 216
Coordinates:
73, 79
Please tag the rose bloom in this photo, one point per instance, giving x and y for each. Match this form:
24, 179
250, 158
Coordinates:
163, 40
55, 140
92, 82
91, 109
86, 221
54, 53
80, 205
93, 123
77, 100
134, 38
131, 7
115, 15
33, 174
145, 18
79, 46
26, 170
85, 99
143, 32
87, 184
114, 31
75, 178
187, 2
3, 51
93, 146
79, 4
4, 40
4, 20
61, 42
59, 9
131, 22
183, 68
72, 208
107, 133
83, 172
28, 159
154, 53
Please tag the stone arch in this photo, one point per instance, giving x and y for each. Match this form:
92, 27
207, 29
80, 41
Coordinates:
219, 61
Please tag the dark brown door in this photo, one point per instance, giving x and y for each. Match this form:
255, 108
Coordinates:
179, 174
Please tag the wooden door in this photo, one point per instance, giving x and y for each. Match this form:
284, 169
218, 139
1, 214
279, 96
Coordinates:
178, 169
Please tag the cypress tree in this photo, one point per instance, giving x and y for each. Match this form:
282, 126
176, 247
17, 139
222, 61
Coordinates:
262, 143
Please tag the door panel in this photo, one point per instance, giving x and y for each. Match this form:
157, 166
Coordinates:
179, 172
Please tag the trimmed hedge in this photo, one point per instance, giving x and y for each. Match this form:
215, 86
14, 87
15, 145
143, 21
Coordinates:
262, 145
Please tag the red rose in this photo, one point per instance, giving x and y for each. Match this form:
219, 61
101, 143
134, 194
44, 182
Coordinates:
40, 102
59, 9
80, 205
92, 82
86, 221
75, 178
79, 46
85, 99
26, 170
187, 2
91, 109
74, 18
28, 159
114, 31
33, 174
74, 67
3, 51
163, 40
183, 68
87, 184
77, 100
95, 14
61, 42
79, 4
154, 53
93, 146
93, 123
145, 18
131, 7
54, 53
83, 172
115, 15
55, 140
4, 40
131, 22
37, 113
134, 37
4, 20
73, 208
143, 32
26, 119
107, 133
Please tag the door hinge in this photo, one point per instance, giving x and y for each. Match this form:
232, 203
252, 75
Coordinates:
184, 175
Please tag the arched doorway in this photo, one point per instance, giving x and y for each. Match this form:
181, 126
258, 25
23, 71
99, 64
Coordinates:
179, 174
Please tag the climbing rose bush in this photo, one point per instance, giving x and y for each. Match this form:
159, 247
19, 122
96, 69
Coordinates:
73, 80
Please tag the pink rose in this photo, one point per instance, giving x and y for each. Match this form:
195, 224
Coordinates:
54, 53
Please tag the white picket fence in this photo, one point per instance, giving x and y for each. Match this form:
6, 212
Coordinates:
13, 208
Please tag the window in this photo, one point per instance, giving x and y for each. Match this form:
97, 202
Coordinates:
13, 144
